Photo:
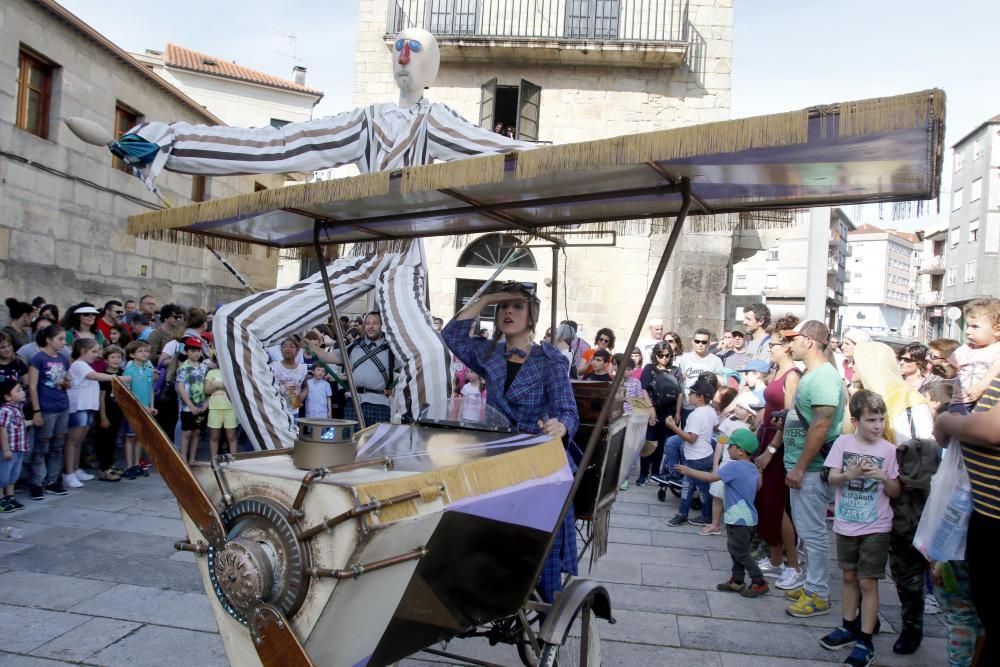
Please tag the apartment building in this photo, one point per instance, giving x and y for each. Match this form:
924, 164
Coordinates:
881, 298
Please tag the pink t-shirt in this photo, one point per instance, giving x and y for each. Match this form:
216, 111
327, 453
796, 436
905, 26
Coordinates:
973, 364
862, 508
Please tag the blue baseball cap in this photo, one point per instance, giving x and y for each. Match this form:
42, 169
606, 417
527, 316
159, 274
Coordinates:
757, 365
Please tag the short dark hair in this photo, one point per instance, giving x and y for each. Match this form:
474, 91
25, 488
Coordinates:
169, 310
602, 354
108, 305
866, 400
760, 312
702, 332
917, 352
131, 348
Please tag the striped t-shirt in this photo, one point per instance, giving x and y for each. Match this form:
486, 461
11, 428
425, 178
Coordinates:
983, 463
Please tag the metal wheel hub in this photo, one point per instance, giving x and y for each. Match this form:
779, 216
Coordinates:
262, 560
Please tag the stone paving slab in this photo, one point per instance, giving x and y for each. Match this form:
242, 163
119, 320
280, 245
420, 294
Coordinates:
164, 647
47, 591
156, 573
34, 627
86, 639
150, 605
15, 660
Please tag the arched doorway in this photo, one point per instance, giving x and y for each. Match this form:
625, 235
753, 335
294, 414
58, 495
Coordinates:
488, 252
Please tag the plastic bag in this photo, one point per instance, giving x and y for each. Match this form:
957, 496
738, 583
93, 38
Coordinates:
944, 523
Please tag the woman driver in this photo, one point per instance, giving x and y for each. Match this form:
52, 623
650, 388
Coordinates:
529, 384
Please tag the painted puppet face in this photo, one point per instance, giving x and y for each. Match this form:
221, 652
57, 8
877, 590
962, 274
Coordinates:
415, 60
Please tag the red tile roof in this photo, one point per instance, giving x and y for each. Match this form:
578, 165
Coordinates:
181, 58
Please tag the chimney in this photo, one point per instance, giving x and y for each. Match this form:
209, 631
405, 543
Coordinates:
299, 75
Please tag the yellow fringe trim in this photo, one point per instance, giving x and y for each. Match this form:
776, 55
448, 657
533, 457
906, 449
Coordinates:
475, 478
728, 136
884, 114
240, 206
180, 237
454, 174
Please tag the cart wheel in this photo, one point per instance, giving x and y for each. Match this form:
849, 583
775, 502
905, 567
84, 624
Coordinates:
661, 494
580, 648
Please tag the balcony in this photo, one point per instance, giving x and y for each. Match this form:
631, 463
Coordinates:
927, 299
934, 267
608, 33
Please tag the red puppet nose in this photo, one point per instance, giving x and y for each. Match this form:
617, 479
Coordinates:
404, 55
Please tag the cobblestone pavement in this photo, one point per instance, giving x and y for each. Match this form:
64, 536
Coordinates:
95, 580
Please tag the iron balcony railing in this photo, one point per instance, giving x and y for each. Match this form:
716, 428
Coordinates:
649, 21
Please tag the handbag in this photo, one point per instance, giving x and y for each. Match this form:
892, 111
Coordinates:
944, 523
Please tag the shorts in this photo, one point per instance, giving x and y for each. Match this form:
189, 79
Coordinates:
192, 422
867, 554
717, 489
82, 418
129, 431
10, 471
221, 418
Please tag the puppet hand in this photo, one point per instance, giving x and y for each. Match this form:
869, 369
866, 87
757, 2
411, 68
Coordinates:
553, 427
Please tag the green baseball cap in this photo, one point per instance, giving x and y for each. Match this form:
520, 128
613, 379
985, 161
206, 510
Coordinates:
742, 438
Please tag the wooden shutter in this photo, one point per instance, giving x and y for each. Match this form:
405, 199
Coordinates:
528, 103
487, 103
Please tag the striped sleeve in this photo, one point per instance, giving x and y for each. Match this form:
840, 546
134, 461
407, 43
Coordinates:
451, 137
217, 150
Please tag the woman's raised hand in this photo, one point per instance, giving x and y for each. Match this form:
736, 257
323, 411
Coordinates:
552, 427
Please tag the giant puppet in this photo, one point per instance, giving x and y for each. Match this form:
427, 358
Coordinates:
377, 137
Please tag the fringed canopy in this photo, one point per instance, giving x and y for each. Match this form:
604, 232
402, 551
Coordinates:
869, 151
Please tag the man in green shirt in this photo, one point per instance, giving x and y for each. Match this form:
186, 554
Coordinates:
810, 429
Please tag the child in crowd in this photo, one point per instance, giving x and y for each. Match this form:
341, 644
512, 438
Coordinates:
13, 441
318, 394
221, 414
110, 418
474, 394
140, 369
978, 361
864, 472
84, 403
744, 416
599, 362
191, 393
697, 443
741, 480
48, 382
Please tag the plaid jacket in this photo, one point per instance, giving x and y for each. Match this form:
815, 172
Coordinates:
541, 388
12, 419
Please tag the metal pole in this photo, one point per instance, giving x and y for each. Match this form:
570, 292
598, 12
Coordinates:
555, 292
337, 329
602, 419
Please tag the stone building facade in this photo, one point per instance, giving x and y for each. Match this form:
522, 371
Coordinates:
64, 203
565, 72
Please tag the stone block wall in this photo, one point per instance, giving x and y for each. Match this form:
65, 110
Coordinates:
62, 235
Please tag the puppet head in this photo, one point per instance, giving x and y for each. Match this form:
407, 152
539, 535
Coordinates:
415, 60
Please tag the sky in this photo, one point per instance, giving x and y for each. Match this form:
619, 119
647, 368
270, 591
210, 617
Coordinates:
787, 54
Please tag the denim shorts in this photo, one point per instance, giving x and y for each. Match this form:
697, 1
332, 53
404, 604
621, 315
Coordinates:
82, 418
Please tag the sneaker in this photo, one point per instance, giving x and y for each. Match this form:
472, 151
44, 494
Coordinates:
660, 479
109, 475
710, 530
142, 471
145, 465
120, 471
730, 586
641, 481
36, 492
791, 579
71, 481
838, 639
770, 570
755, 590
17, 505
675, 484
624, 486
699, 521
862, 655
5, 506
931, 606
795, 594
808, 605
661, 494
677, 520
56, 488
130, 472
83, 476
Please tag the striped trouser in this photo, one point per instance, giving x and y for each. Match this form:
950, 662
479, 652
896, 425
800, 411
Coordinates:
245, 328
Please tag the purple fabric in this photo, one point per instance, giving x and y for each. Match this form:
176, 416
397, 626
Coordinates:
533, 504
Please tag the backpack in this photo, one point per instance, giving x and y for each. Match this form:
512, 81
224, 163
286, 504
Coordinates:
665, 390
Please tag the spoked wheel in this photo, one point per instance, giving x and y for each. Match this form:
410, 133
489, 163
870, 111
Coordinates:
529, 645
580, 648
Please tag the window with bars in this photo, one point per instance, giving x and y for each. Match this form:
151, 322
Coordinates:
34, 93
772, 254
125, 119
452, 17
490, 250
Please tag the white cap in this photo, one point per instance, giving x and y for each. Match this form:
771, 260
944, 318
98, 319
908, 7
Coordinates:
858, 336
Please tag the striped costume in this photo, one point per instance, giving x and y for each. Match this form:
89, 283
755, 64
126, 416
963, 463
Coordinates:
375, 138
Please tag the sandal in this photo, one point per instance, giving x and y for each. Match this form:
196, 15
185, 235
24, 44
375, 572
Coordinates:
710, 530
